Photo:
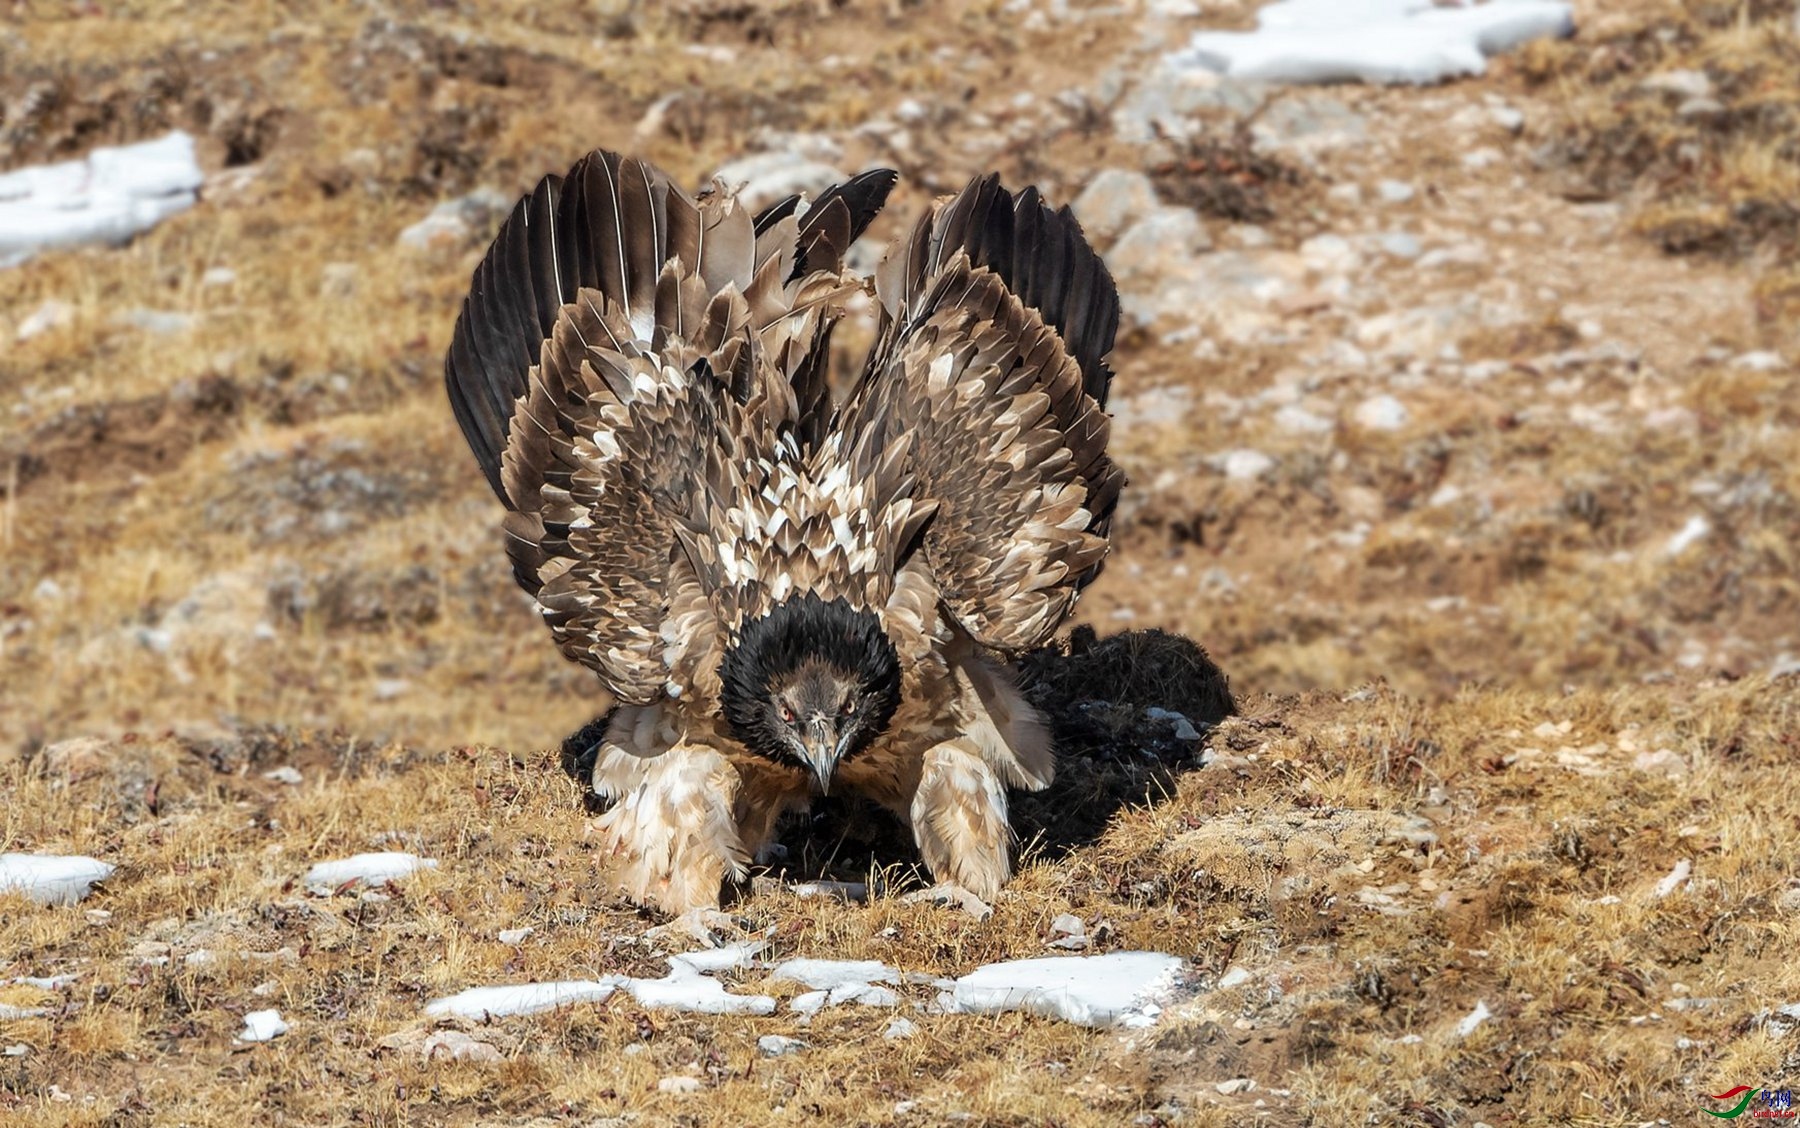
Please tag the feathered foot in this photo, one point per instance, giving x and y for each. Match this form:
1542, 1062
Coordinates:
672, 836
706, 926
959, 819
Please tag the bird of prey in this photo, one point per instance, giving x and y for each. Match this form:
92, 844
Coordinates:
790, 592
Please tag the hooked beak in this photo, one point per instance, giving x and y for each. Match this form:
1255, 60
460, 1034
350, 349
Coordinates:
821, 747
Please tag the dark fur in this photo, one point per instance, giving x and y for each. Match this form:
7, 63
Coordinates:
791, 646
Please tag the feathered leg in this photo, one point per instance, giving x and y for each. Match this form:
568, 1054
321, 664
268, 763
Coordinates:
959, 819
671, 832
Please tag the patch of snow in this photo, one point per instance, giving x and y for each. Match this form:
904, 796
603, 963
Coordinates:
827, 974
43, 982
1696, 530
726, 957
11, 1013
483, 1003
686, 988
678, 1084
115, 192
286, 773
1674, 878
1234, 977
371, 869
1381, 41
50, 314
51, 879
262, 1026
776, 1045
837, 890
1116, 989
1474, 1018
900, 1028
1235, 1085
513, 937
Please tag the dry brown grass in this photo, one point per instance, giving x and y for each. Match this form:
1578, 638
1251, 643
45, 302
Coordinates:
260, 543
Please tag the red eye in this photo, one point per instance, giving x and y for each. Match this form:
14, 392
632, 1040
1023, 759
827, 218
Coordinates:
787, 715
849, 707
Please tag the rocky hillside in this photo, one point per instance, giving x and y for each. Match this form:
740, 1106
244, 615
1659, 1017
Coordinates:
1462, 433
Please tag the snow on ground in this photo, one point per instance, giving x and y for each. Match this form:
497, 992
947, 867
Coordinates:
835, 982
111, 195
262, 1026
522, 998
1116, 989
51, 879
1386, 41
686, 988
372, 869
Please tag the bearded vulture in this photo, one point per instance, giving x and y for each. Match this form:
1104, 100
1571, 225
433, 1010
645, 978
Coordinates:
790, 592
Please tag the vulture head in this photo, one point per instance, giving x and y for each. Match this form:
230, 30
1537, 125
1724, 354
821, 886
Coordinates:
811, 684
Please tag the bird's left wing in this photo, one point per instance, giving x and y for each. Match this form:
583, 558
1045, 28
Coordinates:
983, 398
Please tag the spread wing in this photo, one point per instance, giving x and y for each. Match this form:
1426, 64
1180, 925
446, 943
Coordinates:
996, 321
621, 345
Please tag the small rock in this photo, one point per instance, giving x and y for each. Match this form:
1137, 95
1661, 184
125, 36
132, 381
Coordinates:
1243, 464
1235, 1085
763, 178
338, 279
1681, 83
776, 1045
454, 1045
50, 314
1301, 421
1236, 976
1399, 244
1394, 191
262, 1026
1112, 200
1699, 108
1147, 247
678, 1085
1329, 254
158, 322
1382, 413
1310, 125
900, 1028
1068, 924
